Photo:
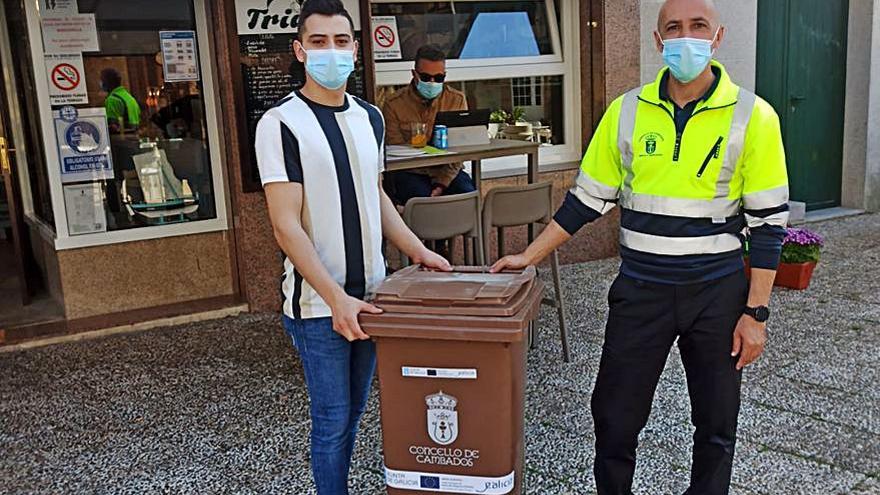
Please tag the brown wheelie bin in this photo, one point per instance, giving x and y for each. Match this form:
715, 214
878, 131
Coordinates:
451, 362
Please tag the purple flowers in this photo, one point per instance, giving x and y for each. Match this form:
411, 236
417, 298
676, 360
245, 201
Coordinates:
802, 237
801, 246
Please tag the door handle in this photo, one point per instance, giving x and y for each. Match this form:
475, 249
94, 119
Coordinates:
796, 98
5, 166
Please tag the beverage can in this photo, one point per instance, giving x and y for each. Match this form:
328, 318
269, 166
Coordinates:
441, 137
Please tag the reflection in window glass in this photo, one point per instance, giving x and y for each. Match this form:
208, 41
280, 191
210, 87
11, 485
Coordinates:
155, 113
469, 30
500, 34
538, 100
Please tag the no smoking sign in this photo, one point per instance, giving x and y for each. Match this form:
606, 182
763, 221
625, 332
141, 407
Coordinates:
386, 42
66, 79
384, 36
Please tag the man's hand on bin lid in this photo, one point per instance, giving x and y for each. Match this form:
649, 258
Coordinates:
512, 262
430, 259
345, 311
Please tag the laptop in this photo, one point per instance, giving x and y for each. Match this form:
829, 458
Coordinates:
465, 127
463, 118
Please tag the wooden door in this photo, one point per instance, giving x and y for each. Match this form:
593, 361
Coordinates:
802, 73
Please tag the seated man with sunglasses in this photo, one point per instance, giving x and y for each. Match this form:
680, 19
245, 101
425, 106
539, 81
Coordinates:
420, 101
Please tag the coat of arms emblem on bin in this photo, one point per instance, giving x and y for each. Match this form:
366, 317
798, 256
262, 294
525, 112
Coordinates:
442, 418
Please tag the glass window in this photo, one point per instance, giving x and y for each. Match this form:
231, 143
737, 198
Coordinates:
527, 91
535, 101
143, 88
473, 29
534, 92
35, 154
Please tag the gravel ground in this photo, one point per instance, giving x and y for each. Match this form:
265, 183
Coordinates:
221, 406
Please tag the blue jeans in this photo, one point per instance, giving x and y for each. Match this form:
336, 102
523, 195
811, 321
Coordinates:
409, 185
338, 376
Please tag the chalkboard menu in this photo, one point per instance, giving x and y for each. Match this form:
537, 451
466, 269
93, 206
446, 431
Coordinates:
269, 72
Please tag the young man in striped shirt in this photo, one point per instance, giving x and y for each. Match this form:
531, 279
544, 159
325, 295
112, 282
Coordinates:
320, 154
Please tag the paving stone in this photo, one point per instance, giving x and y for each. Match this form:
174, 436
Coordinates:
826, 404
808, 437
868, 486
768, 471
221, 406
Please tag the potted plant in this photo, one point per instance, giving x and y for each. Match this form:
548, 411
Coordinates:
517, 116
800, 253
496, 119
517, 127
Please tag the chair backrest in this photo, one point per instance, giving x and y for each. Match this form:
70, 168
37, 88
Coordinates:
444, 217
513, 206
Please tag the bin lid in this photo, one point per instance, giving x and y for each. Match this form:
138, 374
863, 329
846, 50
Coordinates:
465, 291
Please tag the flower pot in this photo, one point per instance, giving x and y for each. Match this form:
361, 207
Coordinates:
791, 275
494, 128
521, 131
794, 275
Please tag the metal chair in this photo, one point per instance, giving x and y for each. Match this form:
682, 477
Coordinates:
447, 217
514, 206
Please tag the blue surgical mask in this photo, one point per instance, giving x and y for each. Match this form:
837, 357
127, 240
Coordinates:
330, 68
687, 58
429, 90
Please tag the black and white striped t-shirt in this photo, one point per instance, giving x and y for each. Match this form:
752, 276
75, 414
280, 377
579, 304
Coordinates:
336, 153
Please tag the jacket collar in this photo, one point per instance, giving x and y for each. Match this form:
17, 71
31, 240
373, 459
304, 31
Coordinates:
724, 94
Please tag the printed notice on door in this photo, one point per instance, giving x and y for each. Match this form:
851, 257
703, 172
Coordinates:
83, 144
180, 59
70, 34
386, 40
60, 7
67, 84
85, 208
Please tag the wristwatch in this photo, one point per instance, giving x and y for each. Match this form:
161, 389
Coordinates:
760, 313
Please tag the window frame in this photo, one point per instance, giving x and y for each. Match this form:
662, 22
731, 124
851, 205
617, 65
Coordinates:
62, 238
12, 103
565, 62
398, 72
529, 88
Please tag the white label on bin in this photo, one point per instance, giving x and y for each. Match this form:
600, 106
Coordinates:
451, 373
448, 483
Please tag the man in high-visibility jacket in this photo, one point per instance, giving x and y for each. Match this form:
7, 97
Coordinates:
697, 166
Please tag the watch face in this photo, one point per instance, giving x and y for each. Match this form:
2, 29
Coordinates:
762, 314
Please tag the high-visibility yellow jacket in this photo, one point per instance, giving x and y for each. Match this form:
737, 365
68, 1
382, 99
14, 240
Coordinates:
689, 193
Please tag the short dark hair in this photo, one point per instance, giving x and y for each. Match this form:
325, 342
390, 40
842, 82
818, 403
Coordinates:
111, 77
322, 7
430, 52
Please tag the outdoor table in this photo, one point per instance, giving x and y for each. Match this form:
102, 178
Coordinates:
475, 154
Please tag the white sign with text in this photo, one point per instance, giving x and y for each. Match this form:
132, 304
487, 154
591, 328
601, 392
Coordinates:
70, 34
278, 16
67, 79
386, 40
83, 144
180, 58
60, 7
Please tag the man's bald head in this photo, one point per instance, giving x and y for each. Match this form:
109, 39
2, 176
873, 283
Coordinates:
689, 19
683, 15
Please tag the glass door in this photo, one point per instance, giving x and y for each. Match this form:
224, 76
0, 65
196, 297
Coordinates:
14, 286
25, 200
